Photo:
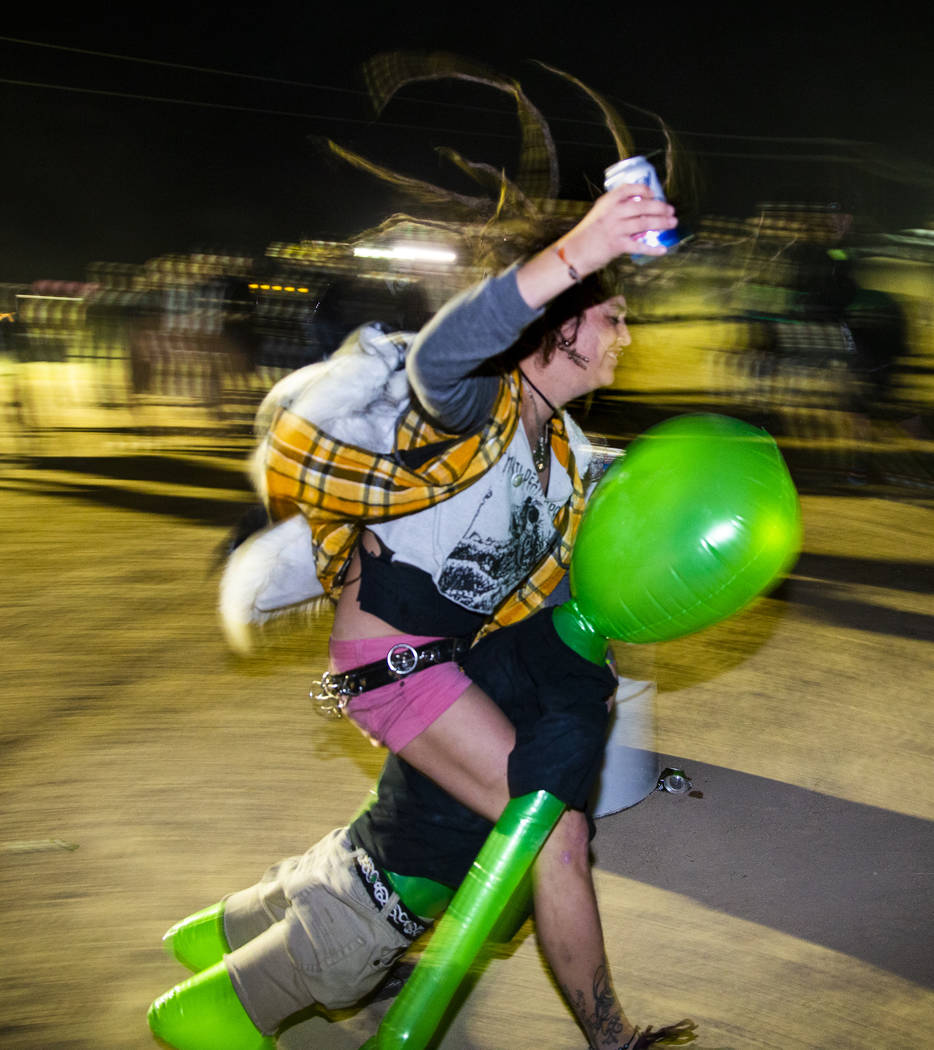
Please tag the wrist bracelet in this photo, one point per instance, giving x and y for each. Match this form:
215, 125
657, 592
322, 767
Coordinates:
572, 273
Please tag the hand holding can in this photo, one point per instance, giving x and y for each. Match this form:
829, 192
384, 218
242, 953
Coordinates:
630, 219
636, 171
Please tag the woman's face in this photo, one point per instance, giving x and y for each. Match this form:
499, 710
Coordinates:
600, 339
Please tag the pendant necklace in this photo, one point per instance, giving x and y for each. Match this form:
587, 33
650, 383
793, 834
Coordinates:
540, 455
541, 450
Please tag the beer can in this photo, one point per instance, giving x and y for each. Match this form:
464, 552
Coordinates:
675, 781
636, 170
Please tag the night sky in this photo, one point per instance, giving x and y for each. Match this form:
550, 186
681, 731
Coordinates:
120, 172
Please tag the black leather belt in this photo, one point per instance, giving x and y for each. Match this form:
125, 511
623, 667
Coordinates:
400, 661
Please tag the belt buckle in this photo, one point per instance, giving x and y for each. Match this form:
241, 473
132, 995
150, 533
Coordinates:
402, 659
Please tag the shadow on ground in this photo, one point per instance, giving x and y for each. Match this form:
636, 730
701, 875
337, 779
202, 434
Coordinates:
851, 877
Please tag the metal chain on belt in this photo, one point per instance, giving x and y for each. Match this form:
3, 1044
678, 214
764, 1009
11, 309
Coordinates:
329, 701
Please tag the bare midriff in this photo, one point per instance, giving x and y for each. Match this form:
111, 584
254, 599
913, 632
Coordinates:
350, 621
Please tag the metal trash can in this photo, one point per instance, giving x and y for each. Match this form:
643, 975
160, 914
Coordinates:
631, 766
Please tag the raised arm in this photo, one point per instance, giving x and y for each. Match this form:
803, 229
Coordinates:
608, 230
473, 327
488, 318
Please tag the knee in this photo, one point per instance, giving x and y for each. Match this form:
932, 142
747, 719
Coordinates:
568, 846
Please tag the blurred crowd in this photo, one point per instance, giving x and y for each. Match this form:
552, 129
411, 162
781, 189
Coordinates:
834, 345
819, 336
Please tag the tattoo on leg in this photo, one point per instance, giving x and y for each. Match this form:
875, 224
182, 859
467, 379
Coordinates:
606, 1020
604, 1025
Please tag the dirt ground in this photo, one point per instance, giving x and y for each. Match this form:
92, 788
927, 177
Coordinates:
146, 772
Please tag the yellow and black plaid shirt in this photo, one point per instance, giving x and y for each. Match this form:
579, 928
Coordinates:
340, 487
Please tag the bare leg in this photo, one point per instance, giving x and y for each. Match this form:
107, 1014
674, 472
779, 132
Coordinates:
567, 920
466, 751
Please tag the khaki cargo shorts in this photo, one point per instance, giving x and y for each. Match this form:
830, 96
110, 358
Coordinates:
323, 928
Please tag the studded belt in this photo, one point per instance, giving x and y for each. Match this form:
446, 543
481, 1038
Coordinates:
335, 691
380, 890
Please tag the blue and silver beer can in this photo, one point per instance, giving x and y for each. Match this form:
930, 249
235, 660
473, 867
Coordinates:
636, 170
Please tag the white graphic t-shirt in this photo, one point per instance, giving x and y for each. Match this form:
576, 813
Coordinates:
480, 544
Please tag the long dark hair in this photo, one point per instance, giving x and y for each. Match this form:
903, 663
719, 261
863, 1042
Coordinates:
557, 328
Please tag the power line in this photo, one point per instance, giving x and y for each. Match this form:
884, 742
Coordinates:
269, 80
250, 76
240, 109
174, 101
790, 140
179, 65
253, 76
399, 126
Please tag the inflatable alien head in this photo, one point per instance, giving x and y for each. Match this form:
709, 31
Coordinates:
696, 519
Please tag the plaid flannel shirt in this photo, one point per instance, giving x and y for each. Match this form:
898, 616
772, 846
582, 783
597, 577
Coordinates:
340, 487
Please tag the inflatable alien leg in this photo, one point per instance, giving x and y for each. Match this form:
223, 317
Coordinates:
198, 941
501, 864
516, 910
204, 1013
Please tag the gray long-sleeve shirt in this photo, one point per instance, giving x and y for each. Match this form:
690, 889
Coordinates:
476, 325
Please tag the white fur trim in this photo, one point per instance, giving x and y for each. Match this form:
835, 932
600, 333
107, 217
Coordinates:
269, 576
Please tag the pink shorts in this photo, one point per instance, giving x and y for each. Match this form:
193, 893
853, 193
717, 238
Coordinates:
395, 714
